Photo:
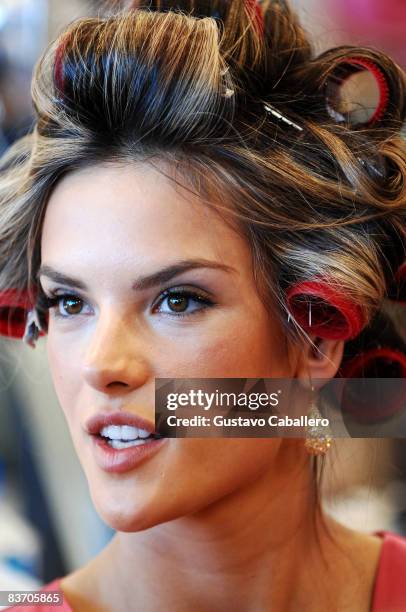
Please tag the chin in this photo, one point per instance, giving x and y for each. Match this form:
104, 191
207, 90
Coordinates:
127, 515
133, 507
126, 520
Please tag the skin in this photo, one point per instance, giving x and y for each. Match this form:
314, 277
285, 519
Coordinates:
229, 520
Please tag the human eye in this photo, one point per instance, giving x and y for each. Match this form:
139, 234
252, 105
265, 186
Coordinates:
66, 305
182, 302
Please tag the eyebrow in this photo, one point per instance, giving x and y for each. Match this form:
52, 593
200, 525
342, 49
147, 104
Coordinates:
143, 282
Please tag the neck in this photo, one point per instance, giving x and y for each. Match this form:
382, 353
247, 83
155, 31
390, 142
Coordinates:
244, 551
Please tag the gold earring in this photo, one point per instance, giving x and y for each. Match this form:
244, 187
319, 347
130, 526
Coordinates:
318, 436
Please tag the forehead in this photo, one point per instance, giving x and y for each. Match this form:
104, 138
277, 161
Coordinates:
119, 213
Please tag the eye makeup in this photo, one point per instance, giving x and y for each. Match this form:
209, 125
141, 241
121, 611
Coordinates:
178, 300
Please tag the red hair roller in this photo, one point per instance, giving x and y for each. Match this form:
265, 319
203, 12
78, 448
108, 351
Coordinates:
14, 306
355, 367
255, 8
58, 65
399, 293
351, 65
364, 402
322, 310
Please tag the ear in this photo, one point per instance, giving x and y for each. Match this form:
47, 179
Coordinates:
320, 362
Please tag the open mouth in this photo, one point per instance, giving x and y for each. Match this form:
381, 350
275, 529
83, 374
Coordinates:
125, 436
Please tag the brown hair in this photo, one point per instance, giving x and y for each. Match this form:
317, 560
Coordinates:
185, 83
153, 83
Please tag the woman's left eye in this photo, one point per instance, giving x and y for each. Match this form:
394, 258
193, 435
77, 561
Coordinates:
182, 302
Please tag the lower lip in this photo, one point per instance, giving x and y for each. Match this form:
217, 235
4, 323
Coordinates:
121, 460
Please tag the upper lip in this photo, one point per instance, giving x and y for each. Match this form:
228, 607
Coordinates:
96, 423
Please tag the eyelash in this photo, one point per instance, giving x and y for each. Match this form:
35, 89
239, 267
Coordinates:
48, 302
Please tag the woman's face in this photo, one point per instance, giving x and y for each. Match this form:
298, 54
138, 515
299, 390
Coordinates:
108, 227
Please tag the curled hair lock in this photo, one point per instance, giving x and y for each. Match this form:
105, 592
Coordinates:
232, 96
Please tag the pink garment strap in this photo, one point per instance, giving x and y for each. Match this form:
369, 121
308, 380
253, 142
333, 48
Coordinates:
390, 586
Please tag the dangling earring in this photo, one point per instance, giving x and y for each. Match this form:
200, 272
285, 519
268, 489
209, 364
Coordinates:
318, 437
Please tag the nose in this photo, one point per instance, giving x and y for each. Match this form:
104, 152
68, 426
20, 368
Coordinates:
115, 360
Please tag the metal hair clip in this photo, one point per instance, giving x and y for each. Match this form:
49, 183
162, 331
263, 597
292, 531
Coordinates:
281, 117
32, 328
228, 92
372, 168
309, 315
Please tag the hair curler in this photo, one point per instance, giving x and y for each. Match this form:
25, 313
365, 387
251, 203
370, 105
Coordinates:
397, 293
255, 8
345, 68
323, 310
59, 77
15, 306
372, 376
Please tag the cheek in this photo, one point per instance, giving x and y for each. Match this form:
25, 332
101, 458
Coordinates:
206, 471
225, 464
64, 369
236, 350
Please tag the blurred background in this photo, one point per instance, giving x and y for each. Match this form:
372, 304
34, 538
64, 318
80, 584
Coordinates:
48, 526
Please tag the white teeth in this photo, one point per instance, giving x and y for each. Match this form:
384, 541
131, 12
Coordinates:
143, 433
123, 432
119, 444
